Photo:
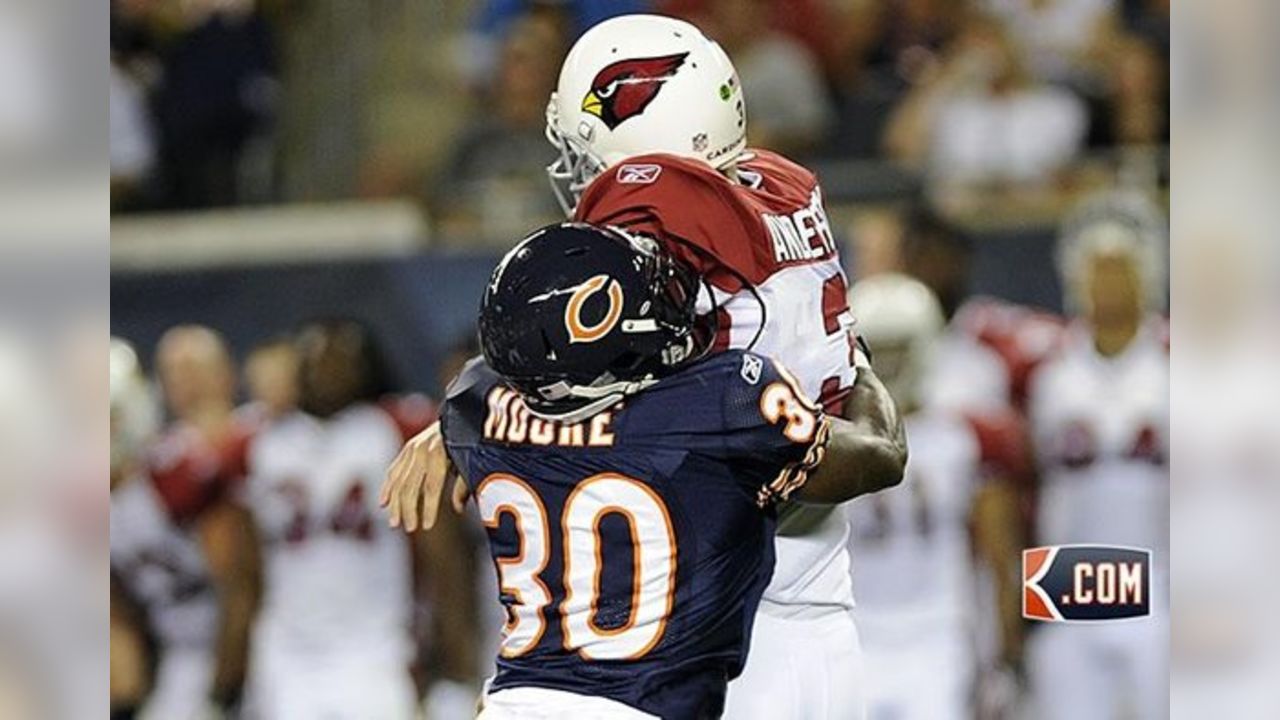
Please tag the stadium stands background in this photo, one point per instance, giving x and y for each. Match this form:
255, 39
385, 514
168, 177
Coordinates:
438, 105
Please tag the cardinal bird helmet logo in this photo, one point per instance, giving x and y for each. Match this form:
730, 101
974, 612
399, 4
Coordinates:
625, 88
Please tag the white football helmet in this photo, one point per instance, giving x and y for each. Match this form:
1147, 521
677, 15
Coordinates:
1125, 221
135, 415
901, 319
638, 84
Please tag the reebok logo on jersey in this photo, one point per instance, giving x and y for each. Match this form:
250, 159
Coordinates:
638, 174
751, 368
1085, 583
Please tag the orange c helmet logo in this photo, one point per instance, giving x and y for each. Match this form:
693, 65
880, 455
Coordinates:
579, 332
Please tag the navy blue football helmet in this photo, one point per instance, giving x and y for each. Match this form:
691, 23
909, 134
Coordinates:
578, 316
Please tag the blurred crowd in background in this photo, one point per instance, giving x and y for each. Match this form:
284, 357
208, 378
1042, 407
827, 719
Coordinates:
229, 102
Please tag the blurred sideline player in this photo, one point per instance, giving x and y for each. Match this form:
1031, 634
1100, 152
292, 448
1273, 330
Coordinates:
134, 421
447, 580
632, 542
446, 627
995, 344
183, 573
650, 122
1099, 411
974, 378
464, 624
271, 379
916, 578
447, 631
333, 637
990, 346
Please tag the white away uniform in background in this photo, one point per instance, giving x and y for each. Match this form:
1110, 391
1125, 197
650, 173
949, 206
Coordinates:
332, 639
915, 577
970, 379
162, 567
1101, 433
765, 247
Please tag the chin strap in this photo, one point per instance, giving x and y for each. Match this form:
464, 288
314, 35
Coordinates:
601, 397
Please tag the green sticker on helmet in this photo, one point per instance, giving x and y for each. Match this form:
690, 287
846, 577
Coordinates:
724, 92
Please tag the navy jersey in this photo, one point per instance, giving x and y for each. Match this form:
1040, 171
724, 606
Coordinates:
632, 548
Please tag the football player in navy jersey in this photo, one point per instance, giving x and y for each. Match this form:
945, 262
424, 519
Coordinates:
627, 479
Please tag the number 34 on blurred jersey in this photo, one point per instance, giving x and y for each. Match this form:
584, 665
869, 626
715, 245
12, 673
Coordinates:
1085, 583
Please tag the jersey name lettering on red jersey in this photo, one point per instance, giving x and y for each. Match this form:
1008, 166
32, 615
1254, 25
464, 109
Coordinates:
802, 235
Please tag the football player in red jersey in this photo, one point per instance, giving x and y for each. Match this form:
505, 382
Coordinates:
936, 560
179, 548
1099, 414
650, 123
333, 636
992, 345
271, 379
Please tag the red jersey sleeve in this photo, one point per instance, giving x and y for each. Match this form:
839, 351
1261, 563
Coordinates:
1003, 442
689, 207
190, 472
185, 474
1023, 337
234, 451
412, 412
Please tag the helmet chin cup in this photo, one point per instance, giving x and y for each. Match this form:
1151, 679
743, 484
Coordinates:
579, 402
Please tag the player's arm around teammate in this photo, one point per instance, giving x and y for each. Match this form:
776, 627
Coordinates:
867, 450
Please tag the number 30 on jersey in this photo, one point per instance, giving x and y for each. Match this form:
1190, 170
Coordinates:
653, 545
